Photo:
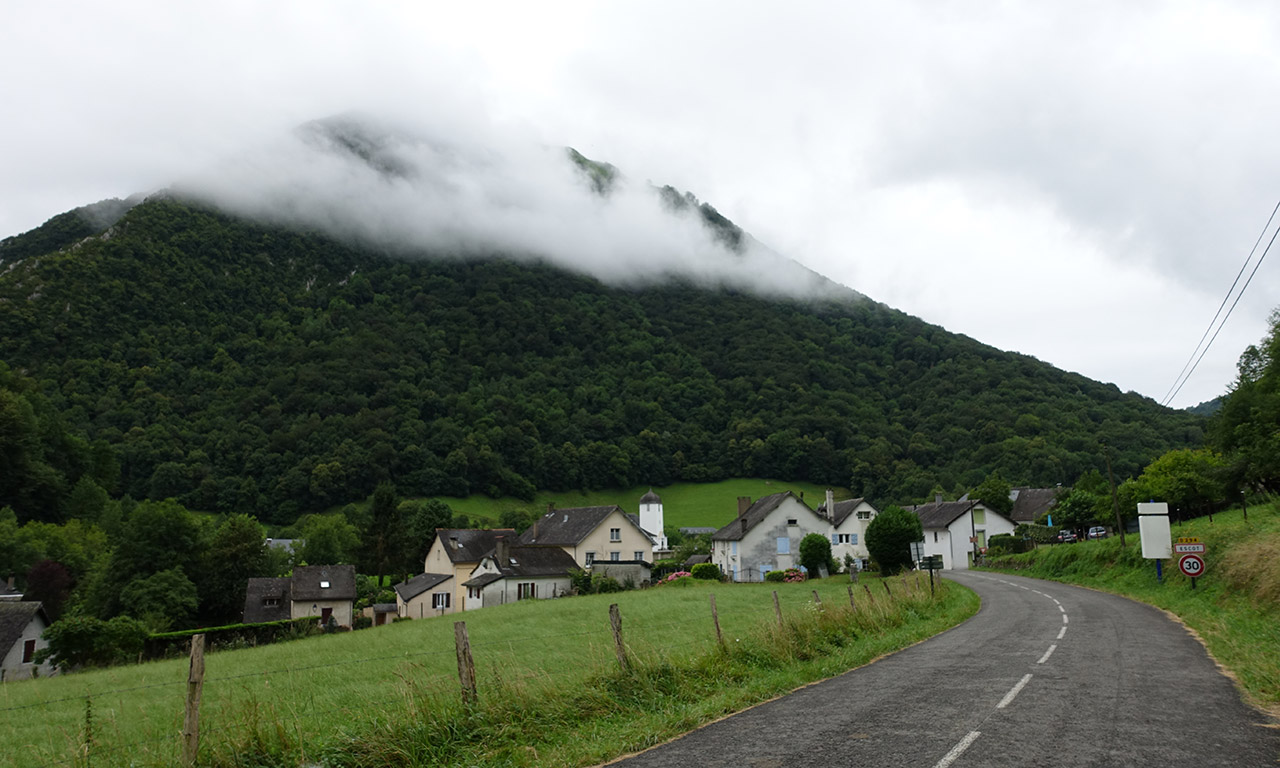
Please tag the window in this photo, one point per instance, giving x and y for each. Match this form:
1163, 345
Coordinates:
615, 534
864, 514
791, 521
615, 556
639, 556
842, 538
324, 585
784, 545
765, 568
28, 651
526, 590
591, 558
979, 516
270, 602
440, 601
473, 593
935, 537
733, 548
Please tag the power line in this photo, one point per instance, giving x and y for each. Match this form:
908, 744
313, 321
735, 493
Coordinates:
1181, 379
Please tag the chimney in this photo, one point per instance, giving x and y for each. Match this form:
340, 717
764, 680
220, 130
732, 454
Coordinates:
742, 522
535, 530
937, 498
744, 503
453, 540
551, 507
831, 504
502, 552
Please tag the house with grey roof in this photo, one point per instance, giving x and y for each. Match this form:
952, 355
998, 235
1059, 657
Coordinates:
849, 520
958, 529
22, 625
323, 591
457, 552
589, 534
427, 594
513, 573
765, 536
1030, 503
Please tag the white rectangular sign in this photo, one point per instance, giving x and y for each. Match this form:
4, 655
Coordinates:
1153, 527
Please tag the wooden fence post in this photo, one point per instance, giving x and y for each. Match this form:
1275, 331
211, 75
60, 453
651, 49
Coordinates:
817, 599
715, 617
870, 596
466, 666
852, 604
777, 609
615, 621
886, 589
191, 716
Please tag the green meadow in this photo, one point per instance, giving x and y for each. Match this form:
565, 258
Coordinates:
551, 692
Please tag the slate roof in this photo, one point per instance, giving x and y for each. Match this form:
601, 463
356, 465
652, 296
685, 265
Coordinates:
843, 509
534, 561
9, 593
696, 559
258, 591
754, 515
15, 615
940, 514
307, 579
697, 530
470, 545
407, 590
1030, 503
567, 527
483, 579
651, 498
385, 608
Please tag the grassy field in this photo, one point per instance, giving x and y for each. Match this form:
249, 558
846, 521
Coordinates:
550, 693
683, 504
1235, 607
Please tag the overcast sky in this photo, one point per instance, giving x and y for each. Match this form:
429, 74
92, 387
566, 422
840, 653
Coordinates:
1077, 181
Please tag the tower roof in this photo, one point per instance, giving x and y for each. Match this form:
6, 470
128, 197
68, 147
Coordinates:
650, 498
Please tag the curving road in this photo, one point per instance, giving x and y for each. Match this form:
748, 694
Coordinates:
1045, 674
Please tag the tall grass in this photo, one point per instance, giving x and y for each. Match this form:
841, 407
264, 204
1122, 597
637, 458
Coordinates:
551, 692
1234, 609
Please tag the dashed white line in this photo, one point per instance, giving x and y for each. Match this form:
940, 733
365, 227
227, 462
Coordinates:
1064, 618
958, 749
1047, 654
1008, 697
1062, 631
1064, 610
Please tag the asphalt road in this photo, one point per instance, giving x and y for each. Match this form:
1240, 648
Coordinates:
1044, 675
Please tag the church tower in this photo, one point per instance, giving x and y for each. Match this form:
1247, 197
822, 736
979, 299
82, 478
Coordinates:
651, 519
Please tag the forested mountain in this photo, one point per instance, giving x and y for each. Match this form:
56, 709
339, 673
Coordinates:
236, 366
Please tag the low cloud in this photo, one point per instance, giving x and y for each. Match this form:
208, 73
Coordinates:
479, 191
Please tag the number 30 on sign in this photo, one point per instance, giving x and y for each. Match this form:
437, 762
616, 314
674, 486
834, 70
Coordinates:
1191, 565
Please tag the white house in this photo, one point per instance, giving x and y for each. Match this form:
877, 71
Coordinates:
427, 594
512, 573
765, 536
652, 521
954, 529
849, 520
21, 627
457, 552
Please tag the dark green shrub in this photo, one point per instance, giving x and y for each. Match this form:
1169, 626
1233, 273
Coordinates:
889, 538
775, 576
815, 553
708, 571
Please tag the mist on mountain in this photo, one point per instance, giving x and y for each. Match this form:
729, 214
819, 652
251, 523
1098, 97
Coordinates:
462, 192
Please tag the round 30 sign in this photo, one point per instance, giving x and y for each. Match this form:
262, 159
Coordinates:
1191, 565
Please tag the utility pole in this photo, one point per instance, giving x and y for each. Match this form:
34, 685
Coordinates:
1115, 502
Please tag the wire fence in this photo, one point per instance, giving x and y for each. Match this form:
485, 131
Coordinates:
97, 726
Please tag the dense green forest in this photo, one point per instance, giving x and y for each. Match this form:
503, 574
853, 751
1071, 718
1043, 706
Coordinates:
236, 367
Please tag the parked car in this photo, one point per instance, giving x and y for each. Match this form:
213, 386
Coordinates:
1097, 532
1066, 536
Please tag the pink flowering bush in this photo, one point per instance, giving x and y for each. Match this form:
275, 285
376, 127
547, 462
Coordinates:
793, 575
676, 577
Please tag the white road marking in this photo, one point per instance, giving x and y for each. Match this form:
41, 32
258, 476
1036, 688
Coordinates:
1047, 654
1064, 610
958, 749
1010, 695
1062, 631
1064, 617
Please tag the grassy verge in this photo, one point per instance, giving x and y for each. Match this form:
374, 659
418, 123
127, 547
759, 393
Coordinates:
1235, 607
550, 690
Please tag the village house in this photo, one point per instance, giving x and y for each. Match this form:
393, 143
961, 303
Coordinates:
22, 625
589, 534
455, 553
849, 520
513, 573
1030, 503
956, 529
427, 594
322, 591
765, 536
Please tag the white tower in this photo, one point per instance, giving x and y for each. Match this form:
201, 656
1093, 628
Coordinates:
651, 519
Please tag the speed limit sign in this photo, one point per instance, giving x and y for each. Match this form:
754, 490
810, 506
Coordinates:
1191, 565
